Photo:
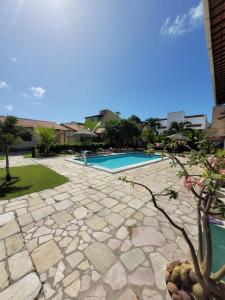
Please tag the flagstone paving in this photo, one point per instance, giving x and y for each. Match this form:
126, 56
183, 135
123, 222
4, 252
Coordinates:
94, 237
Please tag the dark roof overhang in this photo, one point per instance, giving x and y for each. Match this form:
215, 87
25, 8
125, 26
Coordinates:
215, 32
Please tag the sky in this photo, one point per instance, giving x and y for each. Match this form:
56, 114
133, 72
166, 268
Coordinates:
62, 60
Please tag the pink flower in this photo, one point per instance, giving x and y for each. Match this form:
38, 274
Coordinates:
200, 183
213, 161
188, 183
157, 144
222, 171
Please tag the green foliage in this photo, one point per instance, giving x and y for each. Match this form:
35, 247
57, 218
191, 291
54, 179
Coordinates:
172, 194
29, 179
26, 135
28, 155
148, 136
10, 133
122, 133
220, 154
134, 118
149, 132
113, 132
64, 148
92, 125
152, 125
179, 127
47, 137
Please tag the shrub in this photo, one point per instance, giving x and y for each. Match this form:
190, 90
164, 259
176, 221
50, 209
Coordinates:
64, 148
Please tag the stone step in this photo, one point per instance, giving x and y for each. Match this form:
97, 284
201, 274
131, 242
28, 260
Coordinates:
26, 288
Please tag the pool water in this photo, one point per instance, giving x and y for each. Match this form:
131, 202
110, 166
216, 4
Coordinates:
218, 238
121, 160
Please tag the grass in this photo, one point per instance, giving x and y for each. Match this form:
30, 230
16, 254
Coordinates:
2, 157
27, 180
28, 155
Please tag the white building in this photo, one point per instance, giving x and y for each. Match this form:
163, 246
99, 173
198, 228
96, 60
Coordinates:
196, 121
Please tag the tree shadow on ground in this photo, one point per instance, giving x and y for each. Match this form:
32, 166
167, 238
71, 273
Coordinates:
11, 187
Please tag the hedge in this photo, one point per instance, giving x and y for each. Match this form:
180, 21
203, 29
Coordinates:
62, 148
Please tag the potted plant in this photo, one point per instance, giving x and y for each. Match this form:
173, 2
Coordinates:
194, 279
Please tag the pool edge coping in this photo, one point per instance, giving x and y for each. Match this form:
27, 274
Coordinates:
118, 170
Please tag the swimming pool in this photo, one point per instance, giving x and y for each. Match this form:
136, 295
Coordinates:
115, 163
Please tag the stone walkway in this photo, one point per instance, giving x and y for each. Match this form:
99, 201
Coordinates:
93, 238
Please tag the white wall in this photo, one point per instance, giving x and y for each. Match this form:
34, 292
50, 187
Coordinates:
26, 144
180, 117
198, 120
175, 117
163, 123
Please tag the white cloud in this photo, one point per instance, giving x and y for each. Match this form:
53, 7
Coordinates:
183, 23
4, 85
9, 107
14, 59
37, 103
25, 95
38, 91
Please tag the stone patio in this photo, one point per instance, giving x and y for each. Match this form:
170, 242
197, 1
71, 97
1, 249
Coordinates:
93, 238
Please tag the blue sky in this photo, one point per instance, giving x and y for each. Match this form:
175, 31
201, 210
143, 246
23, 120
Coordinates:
62, 60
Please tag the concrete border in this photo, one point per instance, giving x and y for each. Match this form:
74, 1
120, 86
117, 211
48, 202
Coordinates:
117, 170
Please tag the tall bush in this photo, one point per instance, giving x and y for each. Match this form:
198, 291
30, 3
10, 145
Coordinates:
47, 138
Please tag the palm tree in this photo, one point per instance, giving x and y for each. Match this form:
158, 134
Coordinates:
92, 125
47, 138
179, 127
152, 125
10, 135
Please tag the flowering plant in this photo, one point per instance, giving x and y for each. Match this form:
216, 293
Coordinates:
196, 278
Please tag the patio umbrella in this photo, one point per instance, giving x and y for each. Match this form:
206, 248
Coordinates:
179, 137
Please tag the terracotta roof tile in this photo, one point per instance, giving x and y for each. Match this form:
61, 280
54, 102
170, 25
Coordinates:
72, 126
29, 123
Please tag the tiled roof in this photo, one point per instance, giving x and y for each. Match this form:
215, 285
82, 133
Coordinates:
29, 123
74, 127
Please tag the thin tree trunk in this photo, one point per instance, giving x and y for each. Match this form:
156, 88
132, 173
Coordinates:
200, 249
208, 248
8, 176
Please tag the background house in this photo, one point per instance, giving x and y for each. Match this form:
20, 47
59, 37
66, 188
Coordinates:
104, 116
76, 132
32, 125
196, 121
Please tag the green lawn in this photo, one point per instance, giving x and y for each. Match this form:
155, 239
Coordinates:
29, 179
2, 157
28, 155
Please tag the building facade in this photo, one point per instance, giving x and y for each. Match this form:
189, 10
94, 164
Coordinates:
32, 126
104, 116
196, 121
